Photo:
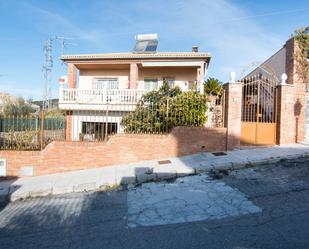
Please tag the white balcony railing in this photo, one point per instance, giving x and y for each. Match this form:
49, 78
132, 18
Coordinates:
99, 96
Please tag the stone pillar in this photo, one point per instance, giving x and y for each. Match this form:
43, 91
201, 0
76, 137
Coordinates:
287, 113
133, 75
232, 120
68, 126
72, 75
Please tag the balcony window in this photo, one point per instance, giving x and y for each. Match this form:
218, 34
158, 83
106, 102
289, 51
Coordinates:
150, 84
105, 83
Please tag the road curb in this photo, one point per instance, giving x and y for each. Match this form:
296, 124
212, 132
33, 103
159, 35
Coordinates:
153, 177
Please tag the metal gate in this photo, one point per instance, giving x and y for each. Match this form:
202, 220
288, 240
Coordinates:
258, 119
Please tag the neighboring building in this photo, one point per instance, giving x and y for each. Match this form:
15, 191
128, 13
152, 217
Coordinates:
118, 80
282, 62
6, 98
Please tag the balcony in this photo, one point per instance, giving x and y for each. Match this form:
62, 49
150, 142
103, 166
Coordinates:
99, 99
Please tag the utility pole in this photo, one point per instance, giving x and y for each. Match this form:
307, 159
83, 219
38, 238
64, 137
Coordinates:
48, 65
47, 70
64, 42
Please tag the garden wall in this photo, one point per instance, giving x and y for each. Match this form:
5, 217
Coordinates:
60, 157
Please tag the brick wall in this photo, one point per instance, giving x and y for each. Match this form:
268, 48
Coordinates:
291, 101
233, 114
60, 157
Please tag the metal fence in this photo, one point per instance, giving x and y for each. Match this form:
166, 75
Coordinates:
30, 132
34, 132
157, 117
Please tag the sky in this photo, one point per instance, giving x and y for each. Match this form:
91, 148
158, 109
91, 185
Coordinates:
237, 33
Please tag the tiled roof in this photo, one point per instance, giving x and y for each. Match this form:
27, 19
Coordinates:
112, 56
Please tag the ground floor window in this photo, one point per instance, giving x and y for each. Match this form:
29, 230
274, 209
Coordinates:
96, 131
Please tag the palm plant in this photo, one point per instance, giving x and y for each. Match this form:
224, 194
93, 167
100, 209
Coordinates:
213, 87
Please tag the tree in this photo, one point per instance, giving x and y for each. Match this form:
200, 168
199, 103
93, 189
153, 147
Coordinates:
18, 108
160, 111
213, 87
301, 55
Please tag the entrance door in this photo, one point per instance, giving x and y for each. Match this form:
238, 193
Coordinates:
258, 121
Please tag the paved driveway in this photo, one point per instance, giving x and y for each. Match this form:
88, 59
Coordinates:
265, 207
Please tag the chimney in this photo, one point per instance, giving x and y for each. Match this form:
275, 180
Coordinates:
195, 49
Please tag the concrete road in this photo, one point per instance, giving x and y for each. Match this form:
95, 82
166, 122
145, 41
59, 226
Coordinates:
264, 207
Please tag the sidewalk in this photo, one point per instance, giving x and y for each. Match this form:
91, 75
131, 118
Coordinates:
106, 177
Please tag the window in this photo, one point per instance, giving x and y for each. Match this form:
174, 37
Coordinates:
151, 84
105, 83
171, 81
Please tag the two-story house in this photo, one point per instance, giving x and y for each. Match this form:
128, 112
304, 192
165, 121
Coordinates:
116, 81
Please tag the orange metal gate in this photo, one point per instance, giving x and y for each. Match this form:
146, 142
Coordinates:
258, 120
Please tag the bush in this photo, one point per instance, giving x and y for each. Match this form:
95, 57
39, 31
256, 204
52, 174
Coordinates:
160, 111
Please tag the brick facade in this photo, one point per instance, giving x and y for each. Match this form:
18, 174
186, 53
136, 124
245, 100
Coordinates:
60, 157
233, 114
291, 101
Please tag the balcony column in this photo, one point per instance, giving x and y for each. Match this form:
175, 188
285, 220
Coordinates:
200, 77
72, 75
133, 75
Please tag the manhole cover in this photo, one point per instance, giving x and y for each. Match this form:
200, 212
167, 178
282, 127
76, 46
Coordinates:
219, 154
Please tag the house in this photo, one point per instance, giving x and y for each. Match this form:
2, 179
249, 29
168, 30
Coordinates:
116, 82
6, 98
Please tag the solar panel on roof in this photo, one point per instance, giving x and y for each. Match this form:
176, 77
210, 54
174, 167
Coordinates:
146, 43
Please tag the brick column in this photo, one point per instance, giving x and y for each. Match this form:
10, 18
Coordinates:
68, 126
72, 75
232, 120
133, 75
287, 115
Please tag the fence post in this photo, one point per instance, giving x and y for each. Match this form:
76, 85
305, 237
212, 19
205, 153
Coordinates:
42, 129
232, 120
286, 125
167, 108
106, 123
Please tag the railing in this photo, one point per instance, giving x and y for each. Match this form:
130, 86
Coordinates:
100, 96
158, 117
30, 132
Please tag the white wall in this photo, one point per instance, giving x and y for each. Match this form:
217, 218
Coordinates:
86, 77
274, 65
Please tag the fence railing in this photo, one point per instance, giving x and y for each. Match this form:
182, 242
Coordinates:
30, 132
152, 116
99, 96
148, 117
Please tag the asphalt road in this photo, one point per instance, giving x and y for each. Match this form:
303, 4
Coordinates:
277, 195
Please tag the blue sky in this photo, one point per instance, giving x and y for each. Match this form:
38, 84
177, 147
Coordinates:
237, 33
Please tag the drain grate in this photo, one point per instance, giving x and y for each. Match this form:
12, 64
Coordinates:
164, 162
219, 153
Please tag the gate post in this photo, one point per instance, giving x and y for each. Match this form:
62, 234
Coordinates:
232, 120
68, 126
286, 118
